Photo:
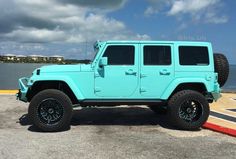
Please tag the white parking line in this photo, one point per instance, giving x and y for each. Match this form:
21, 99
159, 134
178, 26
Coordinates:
223, 120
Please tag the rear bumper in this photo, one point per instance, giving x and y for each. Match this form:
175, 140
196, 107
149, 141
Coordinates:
21, 95
216, 93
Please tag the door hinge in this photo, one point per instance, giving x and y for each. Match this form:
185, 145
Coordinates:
143, 75
142, 90
97, 90
96, 74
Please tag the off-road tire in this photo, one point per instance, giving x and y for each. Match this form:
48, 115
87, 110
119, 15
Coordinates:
158, 109
176, 103
59, 99
222, 68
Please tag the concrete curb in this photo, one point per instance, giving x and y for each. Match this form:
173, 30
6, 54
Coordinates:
8, 92
220, 129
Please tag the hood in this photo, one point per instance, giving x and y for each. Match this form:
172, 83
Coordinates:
66, 68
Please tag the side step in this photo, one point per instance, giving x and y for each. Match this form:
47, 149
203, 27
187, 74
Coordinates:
115, 102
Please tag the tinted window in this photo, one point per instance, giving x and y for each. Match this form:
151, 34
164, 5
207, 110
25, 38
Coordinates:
157, 55
193, 55
120, 55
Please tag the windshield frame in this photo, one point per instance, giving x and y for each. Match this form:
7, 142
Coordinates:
97, 48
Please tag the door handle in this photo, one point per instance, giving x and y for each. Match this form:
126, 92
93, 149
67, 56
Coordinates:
164, 72
130, 72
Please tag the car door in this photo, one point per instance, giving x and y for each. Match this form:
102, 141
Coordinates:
157, 69
119, 78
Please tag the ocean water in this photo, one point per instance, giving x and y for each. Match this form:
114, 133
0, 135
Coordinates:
11, 72
230, 85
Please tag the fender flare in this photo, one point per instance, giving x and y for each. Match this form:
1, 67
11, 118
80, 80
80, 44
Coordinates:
74, 88
174, 84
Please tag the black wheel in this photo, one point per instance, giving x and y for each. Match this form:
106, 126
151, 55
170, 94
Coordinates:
51, 110
222, 68
158, 109
188, 110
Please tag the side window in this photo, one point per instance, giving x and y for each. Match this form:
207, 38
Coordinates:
157, 55
193, 55
120, 55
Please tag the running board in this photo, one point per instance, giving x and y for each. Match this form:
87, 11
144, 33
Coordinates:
114, 102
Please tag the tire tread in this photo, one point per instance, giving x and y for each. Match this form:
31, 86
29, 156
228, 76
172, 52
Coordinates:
173, 108
67, 104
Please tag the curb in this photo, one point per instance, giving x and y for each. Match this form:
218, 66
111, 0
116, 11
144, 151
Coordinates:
217, 128
8, 92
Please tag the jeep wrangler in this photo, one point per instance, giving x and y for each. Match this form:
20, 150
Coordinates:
179, 78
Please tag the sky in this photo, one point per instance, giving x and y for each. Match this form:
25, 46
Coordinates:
70, 27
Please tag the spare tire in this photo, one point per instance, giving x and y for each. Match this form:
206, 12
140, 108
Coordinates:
222, 68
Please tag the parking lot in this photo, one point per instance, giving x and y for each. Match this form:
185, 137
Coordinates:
115, 132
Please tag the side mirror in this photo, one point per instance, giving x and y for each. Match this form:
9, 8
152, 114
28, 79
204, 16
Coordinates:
103, 61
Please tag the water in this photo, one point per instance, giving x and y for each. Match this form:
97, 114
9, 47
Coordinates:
231, 82
10, 73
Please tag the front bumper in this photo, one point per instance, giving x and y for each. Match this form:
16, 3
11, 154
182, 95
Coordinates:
21, 95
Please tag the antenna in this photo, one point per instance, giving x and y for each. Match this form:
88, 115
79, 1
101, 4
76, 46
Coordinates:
86, 48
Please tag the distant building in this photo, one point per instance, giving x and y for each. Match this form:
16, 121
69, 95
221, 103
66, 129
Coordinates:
9, 57
56, 58
21, 58
37, 58
31, 58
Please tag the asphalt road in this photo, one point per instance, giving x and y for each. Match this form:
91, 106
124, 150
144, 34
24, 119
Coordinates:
117, 132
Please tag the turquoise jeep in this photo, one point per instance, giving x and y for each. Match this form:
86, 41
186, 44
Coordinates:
179, 78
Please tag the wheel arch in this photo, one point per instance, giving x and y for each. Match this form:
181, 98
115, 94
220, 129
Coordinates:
174, 87
61, 85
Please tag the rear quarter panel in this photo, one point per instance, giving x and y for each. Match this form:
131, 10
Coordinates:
192, 74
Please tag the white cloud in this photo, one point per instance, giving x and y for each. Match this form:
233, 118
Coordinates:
36, 35
63, 21
156, 6
207, 11
64, 27
142, 37
150, 11
190, 6
212, 18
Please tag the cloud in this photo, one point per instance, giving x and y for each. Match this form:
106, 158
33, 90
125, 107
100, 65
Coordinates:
64, 27
190, 6
68, 21
207, 11
211, 17
35, 35
101, 4
150, 11
155, 7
